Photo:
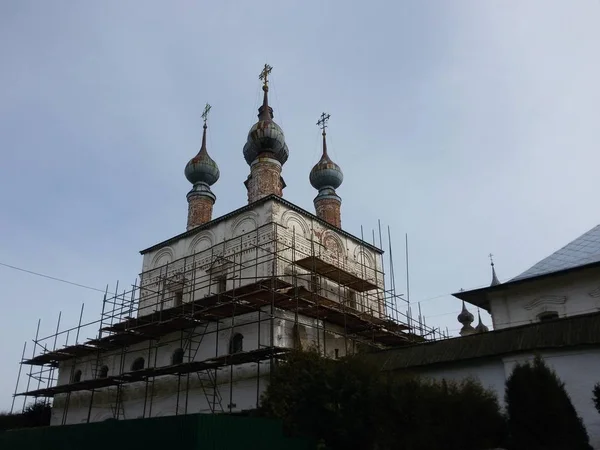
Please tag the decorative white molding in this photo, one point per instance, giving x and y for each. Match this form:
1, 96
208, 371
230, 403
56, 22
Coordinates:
546, 300
163, 256
201, 242
332, 243
294, 221
244, 224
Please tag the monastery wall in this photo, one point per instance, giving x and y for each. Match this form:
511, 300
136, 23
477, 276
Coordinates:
577, 368
567, 295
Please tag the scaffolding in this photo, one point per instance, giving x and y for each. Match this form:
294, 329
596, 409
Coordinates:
266, 278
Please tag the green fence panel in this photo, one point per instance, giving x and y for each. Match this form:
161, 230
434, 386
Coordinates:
188, 432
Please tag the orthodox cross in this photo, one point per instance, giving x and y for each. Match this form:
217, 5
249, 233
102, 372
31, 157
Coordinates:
491, 258
264, 75
205, 113
322, 123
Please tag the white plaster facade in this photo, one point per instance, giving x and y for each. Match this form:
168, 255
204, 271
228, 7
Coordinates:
566, 295
251, 244
578, 368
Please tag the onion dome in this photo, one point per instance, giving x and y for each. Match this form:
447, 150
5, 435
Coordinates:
326, 173
465, 317
481, 328
201, 168
265, 136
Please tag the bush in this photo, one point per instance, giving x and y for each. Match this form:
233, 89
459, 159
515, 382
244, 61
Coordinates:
347, 404
596, 396
540, 412
34, 415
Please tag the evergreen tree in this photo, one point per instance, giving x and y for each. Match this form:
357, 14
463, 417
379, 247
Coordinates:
347, 404
540, 412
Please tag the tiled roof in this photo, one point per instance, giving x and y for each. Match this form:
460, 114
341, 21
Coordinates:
581, 330
583, 250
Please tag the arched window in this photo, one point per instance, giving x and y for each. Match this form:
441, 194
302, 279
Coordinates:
548, 315
177, 357
236, 345
138, 364
77, 376
103, 372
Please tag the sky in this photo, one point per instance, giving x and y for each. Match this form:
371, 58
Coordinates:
470, 126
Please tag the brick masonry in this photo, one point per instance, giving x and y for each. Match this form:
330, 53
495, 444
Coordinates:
328, 209
265, 179
199, 210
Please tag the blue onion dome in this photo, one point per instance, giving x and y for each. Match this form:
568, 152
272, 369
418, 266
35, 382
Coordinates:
201, 168
326, 173
266, 136
465, 317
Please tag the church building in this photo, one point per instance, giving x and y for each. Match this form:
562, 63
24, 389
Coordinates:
219, 304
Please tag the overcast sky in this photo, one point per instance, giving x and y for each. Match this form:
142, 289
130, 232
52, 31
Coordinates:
470, 125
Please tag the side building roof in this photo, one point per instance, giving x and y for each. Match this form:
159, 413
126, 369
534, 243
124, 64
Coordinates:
582, 330
582, 251
579, 254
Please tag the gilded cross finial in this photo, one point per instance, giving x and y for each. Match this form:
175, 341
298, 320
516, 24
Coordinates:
264, 75
322, 122
205, 113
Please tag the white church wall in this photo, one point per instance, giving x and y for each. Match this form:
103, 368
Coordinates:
490, 373
216, 250
567, 295
235, 395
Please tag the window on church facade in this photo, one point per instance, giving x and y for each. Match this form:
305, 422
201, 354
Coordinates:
178, 298
77, 376
236, 344
548, 315
221, 284
138, 364
103, 372
177, 357
351, 299
314, 282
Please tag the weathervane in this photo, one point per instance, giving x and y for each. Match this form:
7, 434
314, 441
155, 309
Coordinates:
322, 123
264, 75
205, 113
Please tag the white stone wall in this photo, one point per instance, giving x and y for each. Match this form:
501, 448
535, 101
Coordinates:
568, 295
579, 369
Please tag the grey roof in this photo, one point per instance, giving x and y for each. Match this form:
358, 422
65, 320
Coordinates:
582, 251
569, 332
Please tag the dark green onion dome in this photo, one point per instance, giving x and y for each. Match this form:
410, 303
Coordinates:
465, 317
266, 136
326, 173
201, 168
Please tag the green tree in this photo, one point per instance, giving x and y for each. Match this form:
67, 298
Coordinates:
348, 404
540, 412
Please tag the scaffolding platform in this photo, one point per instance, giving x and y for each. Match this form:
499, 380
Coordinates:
335, 273
252, 356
